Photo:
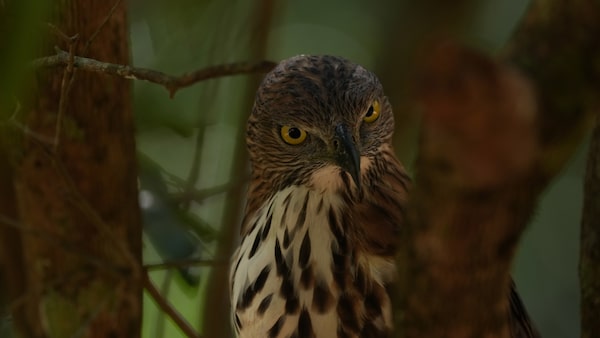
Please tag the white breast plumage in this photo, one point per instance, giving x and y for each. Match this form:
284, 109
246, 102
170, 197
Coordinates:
286, 278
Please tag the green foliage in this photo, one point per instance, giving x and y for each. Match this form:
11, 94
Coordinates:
20, 33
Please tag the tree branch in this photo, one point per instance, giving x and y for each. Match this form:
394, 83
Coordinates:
589, 264
493, 137
171, 82
106, 20
556, 47
465, 215
187, 329
216, 319
185, 263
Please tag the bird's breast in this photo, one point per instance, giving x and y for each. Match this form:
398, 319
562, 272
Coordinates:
298, 272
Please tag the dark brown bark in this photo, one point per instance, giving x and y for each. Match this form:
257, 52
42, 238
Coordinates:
12, 269
76, 186
406, 25
493, 137
589, 264
557, 48
472, 195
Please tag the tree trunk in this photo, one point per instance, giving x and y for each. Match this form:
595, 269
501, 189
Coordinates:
589, 264
494, 135
216, 321
76, 186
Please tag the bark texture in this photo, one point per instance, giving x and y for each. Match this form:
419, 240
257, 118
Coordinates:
472, 196
495, 132
76, 186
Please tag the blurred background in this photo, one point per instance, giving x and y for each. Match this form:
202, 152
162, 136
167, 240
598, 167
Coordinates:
191, 147
202, 127
207, 122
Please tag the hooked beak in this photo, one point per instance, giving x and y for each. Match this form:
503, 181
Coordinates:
346, 154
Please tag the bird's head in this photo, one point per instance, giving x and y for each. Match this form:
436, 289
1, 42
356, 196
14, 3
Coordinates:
317, 121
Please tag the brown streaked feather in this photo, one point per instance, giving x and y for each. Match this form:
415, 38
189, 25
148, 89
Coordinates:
381, 211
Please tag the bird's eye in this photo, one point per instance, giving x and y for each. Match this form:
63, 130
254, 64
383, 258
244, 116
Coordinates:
293, 135
373, 112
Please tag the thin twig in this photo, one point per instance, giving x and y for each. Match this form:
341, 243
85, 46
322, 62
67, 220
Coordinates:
65, 88
194, 194
27, 131
165, 287
60, 34
87, 320
199, 195
194, 168
69, 74
170, 82
167, 308
184, 264
66, 82
99, 29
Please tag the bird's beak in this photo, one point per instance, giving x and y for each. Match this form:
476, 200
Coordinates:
346, 154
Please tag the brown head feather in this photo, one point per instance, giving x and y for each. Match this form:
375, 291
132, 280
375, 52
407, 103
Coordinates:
313, 93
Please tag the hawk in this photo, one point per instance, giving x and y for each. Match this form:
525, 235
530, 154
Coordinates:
325, 204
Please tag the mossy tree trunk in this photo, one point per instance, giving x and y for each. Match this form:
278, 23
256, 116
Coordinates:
75, 186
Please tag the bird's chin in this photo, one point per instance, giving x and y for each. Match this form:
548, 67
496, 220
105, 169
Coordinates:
328, 179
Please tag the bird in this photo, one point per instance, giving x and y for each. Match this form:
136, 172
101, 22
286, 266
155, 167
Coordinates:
325, 206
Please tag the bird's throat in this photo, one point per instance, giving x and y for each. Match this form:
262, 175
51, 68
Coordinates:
332, 179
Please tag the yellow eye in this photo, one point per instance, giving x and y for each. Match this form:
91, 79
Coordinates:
293, 135
373, 112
